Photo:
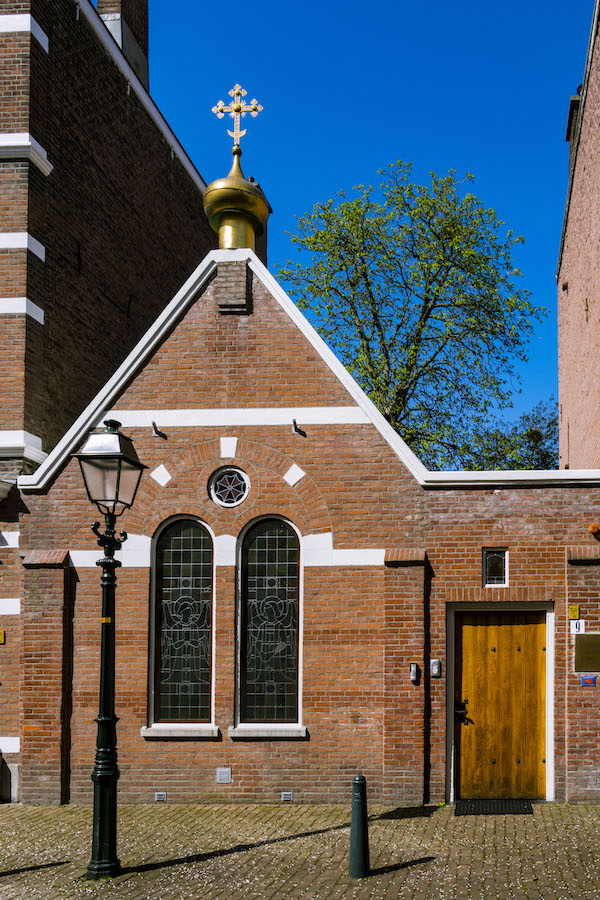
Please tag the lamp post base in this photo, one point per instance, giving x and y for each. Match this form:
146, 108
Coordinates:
96, 871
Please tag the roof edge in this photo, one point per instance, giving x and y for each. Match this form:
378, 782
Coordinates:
106, 38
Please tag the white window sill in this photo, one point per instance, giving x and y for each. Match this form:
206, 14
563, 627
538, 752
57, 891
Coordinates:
269, 730
179, 730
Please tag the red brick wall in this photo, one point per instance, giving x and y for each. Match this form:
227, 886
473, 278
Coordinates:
363, 625
578, 295
583, 726
45, 685
10, 651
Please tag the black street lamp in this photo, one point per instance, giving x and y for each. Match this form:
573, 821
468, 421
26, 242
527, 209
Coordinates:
111, 472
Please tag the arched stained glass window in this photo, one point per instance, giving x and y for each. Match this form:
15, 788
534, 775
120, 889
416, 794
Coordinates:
269, 624
183, 624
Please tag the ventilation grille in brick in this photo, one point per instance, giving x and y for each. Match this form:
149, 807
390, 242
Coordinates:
493, 808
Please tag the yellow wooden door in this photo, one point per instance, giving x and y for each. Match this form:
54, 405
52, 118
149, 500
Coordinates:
500, 680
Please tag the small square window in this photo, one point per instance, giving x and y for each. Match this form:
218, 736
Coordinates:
495, 568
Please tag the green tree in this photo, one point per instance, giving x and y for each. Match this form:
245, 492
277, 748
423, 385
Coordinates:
529, 443
414, 288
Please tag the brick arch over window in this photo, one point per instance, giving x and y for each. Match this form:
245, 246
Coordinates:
304, 502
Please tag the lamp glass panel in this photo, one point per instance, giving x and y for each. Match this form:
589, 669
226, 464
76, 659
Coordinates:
130, 478
101, 477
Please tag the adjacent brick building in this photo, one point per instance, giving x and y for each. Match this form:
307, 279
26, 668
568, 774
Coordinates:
578, 293
299, 599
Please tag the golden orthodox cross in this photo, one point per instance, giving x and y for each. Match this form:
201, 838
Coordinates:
236, 109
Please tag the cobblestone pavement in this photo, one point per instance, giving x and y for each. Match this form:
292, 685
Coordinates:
291, 851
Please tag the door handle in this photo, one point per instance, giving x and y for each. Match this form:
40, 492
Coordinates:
460, 711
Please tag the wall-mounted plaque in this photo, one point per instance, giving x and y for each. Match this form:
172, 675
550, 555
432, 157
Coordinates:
587, 652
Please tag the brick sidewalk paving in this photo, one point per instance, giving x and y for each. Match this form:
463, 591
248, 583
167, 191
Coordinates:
291, 851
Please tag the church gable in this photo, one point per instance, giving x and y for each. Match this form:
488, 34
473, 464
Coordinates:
230, 349
235, 347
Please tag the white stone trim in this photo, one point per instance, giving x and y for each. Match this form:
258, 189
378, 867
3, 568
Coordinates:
162, 475
225, 550
318, 550
21, 306
228, 447
162, 730
9, 539
135, 553
269, 730
210, 418
9, 744
364, 411
293, 475
10, 606
24, 23
20, 240
21, 443
21, 145
113, 49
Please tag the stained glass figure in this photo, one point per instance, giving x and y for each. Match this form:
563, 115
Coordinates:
269, 626
183, 624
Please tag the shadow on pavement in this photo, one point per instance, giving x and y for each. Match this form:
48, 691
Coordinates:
405, 812
226, 851
385, 870
33, 868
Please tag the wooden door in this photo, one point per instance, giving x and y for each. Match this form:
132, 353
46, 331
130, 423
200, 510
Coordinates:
500, 679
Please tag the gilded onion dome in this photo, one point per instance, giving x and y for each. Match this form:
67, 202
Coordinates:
236, 208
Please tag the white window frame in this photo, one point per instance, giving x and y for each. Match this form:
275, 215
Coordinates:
157, 730
268, 730
503, 550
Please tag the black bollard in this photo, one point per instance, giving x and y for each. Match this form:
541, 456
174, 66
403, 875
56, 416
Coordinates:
359, 830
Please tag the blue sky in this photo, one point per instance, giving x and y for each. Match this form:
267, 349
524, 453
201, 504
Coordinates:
349, 87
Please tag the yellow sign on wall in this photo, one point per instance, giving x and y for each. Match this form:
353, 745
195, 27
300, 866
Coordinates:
573, 612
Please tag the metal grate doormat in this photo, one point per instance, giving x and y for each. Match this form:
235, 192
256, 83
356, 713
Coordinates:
493, 808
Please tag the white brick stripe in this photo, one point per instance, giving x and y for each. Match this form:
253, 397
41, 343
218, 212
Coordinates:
279, 415
317, 550
24, 23
20, 240
21, 145
21, 443
10, 744
21, 306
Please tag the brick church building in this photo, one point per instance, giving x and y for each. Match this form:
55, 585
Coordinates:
300, 600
